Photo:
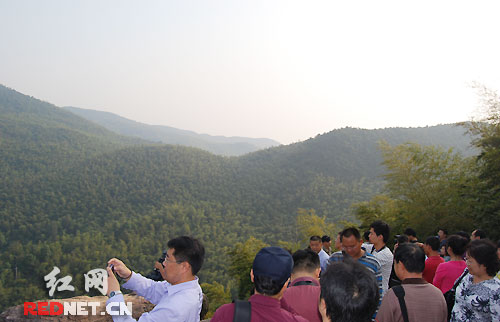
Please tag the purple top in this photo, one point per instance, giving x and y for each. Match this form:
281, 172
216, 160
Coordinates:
303, 299
264, 308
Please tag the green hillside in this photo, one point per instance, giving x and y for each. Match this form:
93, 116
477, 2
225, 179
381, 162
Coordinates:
73, 194
38, 137
228, 146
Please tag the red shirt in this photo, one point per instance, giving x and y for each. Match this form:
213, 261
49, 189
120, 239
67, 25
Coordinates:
431, 264
303, 299
264, 308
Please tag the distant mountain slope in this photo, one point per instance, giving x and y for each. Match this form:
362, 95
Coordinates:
36, 136
229, 146
349, 153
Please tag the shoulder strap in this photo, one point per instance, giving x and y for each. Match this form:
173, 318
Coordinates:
460, 279
400, 293
242, 311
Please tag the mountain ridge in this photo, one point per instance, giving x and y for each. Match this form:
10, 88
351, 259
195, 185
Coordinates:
229, 146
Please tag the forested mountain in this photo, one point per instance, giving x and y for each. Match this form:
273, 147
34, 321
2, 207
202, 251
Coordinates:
73, 194
38, 137
229, 146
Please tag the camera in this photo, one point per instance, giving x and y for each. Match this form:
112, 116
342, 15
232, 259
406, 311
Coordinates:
155, 275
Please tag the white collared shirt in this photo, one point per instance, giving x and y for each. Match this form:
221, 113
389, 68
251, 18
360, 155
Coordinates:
181, 302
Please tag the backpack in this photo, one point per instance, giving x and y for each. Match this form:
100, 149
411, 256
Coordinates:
242, 311
450, 295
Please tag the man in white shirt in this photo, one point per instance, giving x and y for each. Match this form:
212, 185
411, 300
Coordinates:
316, 245
379, 235
178, 298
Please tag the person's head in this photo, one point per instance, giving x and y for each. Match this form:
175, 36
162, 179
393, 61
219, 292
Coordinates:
482, 258
409, 259
464, 235
327, 241
431, 245
379, 232
351, 242
349, 292
315, 244
478, 234
455, 245
412, 234
183, 260
271, 271
442, 233
366, 236
338, 243
305, 263
400, 239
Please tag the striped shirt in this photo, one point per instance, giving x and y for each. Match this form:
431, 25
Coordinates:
370, 262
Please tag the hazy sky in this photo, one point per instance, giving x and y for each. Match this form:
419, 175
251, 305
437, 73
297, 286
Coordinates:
285, 70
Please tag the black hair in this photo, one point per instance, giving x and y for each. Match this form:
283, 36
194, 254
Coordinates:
445, 231
188, 249
480, 233
315, 238
412, 256
498, 244
350, 292
485, 253
464, 235
366, 235
381, 228
410, 232
401, 239
457, 244
433, 241
351, 231
266, 285
325, 239
305, 260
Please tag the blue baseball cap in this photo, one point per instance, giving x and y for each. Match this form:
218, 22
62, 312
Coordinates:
273, 262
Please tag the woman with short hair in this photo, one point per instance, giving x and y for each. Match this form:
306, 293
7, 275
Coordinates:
447, 273
477, 296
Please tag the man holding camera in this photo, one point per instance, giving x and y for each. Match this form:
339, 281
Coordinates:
179, 297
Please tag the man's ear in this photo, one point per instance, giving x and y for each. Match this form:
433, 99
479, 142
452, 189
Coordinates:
317, 272
186, 267
251, 275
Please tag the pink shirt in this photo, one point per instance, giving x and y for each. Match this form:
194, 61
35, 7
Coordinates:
447, 273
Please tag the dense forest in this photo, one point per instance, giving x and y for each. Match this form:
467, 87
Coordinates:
74, 194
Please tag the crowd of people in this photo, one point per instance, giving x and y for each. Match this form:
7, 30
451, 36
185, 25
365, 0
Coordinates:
446, 278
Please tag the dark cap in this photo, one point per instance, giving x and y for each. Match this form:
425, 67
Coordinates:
273, 262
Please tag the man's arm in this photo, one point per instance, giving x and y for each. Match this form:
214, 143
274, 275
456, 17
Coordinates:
159, 313
149, 289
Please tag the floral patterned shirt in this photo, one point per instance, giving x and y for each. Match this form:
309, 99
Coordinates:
478, 302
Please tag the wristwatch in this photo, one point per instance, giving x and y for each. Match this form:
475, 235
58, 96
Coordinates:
113, 293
